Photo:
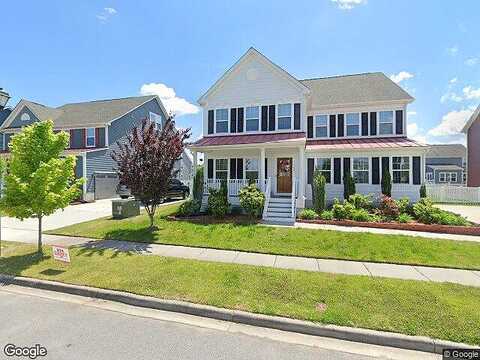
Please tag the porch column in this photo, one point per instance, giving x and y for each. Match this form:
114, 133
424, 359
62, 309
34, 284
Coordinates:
205, 172
301, 178
261, 168
194, 171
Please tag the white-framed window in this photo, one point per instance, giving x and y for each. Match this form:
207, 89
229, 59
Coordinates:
401, 169
157, 119
221, 169
353, 124
447, 177
321, 125
284, 116
25, 117
429, 177
221, 120
252, 117
385, 122
251, 169
325, 166
90, 137
360, 170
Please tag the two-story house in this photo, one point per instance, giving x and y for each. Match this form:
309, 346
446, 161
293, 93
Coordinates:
261, 123
445, 164
94, 127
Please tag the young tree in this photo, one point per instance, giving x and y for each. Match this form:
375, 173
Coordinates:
38, 179
348, 186
318, 190
145, 162
387, 183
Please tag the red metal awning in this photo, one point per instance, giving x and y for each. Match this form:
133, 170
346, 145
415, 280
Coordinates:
248, 139
370, 143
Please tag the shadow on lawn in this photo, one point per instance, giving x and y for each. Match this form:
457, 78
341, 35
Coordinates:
14, 265
116, 246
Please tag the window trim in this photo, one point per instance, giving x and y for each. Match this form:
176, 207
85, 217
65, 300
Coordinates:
409, 170
368, 162
257, 118
448, 177
215, 168
278, 117
155, 115
227, 120
315, 167
87, 137
327, 126
245, 160
358, 125
392, 122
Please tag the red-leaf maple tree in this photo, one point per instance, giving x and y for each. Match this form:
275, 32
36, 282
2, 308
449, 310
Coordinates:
145, 161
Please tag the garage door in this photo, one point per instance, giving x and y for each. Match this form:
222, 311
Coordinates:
105, 185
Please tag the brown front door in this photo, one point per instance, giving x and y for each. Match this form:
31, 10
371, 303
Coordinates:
284, 175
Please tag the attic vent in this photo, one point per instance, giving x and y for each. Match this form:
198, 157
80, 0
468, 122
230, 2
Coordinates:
252, 74
25, 117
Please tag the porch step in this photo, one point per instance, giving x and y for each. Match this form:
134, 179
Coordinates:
271, 214
279, 221
280, 200
280, 210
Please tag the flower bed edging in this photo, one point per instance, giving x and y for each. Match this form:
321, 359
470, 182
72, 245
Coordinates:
434, 228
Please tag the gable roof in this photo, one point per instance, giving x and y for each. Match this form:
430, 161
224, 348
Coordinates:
472, 119
84, 114
253, 52
446, 150
355, 89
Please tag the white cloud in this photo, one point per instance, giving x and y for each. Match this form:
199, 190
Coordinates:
452, 123
106, 14
471, 93
348, 4
452, 50
471, 61
450, 96
170, 100
453, 80
402, 75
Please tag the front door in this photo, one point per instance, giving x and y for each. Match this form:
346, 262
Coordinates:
284, 175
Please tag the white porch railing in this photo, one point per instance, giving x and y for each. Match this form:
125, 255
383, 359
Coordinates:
453, 194
233, 185
294, 196
268, 190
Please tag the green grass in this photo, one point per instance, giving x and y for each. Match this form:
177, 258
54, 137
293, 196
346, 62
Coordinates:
284, 241
444, 311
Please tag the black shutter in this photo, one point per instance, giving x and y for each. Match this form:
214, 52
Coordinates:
240, 120
233, 120
296, 116
417, 165
211, 122
373, 123
385, 165
271, 118
340, 125
266, 168
210, 168
239, 168
333, 124
337, 171
310, 165
399, 122
364, 124
346, 166
310, 126
264, 118
233, 168
375, 170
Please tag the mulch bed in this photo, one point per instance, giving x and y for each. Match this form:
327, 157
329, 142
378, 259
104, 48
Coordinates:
441, 229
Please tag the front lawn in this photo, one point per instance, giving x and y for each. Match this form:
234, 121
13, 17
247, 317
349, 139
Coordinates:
444, 311
246, 236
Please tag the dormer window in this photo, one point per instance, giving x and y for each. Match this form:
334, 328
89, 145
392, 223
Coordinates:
90, 140
221, 120
25, 117
284, 116
385, 123
353, 124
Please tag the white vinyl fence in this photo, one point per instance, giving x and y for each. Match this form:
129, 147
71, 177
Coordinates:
453, 194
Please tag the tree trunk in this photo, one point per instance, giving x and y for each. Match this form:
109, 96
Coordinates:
151, 220
40, 249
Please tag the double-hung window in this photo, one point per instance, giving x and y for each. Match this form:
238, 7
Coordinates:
90, 135
385, 123
157, 119
360, 170
353, 124
401, 169
447, 177
324, 165
221, 169
321, 126
429, 177
221, 120
284, 116
252, 118
251, 169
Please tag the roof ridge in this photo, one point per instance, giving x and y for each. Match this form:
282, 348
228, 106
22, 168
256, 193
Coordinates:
105, 100
36, 103
346, 75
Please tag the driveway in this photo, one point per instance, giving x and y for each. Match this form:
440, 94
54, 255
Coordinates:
471, 212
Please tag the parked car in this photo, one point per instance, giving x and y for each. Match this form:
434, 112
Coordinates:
175, 189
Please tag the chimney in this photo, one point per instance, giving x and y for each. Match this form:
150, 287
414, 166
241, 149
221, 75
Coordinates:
3, 98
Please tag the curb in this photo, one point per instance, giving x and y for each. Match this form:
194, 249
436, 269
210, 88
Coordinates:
374, 337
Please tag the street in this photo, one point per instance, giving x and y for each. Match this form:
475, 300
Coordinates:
72, 327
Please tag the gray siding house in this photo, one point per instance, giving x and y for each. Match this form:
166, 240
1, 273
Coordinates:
445, 164
94, 127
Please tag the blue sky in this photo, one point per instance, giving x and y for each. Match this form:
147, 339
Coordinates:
55, 52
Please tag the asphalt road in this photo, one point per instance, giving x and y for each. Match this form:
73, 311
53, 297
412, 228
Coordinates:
78, 328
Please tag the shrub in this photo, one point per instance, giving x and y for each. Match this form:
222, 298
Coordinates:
198, 184
423, 191
326, 215
318, 191
348, 186
342, 211
307, 214
189, 208
426, 213
404, 206
387, 183
423, 210
252, 200
218, 201
446, 218
360, 201
389, 207
404, 218
360, 215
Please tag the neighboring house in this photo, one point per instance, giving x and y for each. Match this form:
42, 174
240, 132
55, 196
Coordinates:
445, 164
4, 111
472, 130
94, 127
261, 123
